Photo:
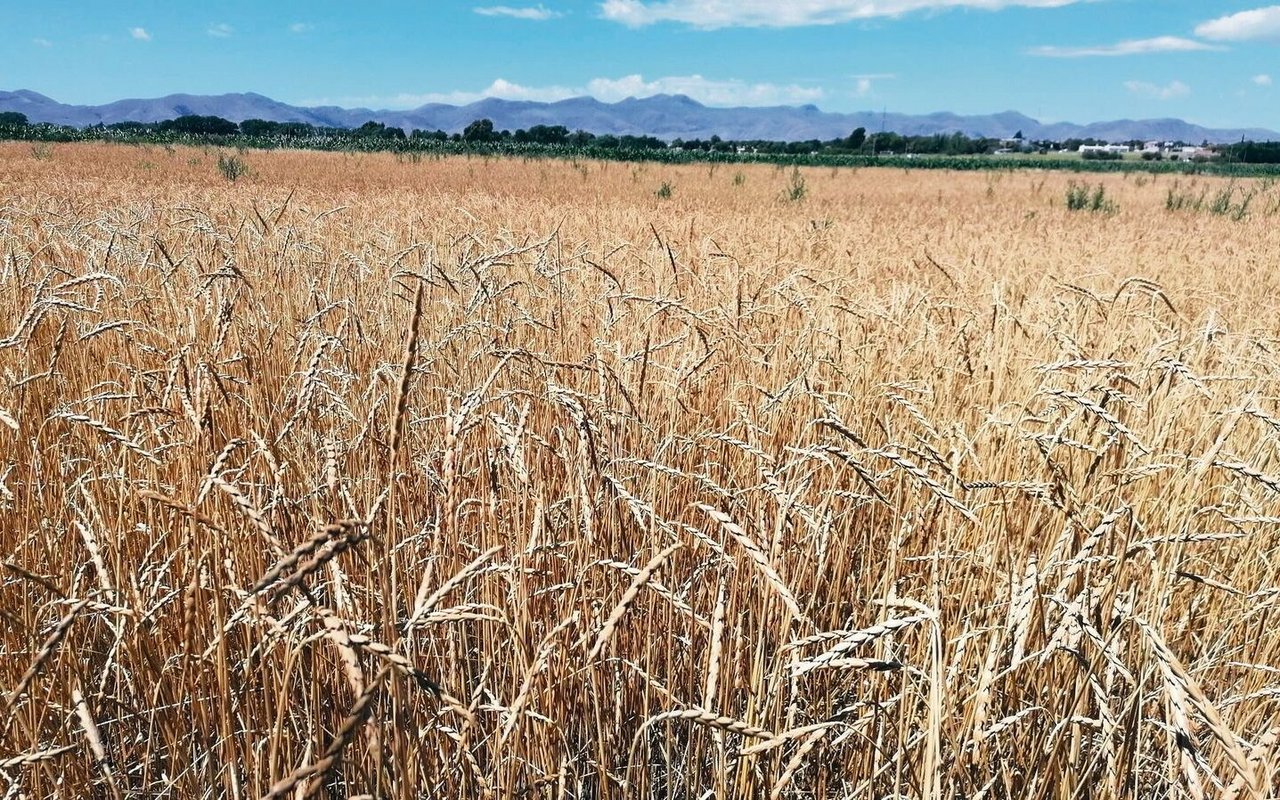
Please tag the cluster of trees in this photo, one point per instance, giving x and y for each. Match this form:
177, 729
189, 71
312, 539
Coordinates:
483, 134
859, 142
480, 131
263, 127
199, 126
1253, 153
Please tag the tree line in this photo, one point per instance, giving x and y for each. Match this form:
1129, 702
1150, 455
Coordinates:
480, 131
483, 131
482, 134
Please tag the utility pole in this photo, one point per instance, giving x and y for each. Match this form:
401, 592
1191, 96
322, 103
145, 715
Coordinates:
875, 140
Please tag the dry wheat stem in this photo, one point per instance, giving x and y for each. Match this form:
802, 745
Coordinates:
638, 582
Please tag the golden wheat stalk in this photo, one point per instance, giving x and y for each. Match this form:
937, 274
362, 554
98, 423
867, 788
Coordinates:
36, 757
215, 469
920, 474
1180, 682
638, 582
796, 761
1259, 757
323, 545
109, 432
424, 604
702, 717
93, 736
332, 755
850, 640
758, 558
46, 650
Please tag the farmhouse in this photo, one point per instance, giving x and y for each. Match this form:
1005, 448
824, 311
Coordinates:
1190, 153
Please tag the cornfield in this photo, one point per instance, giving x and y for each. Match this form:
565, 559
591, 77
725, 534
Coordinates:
491, 478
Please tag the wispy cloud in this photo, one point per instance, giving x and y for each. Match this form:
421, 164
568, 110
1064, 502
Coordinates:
1262, 80
538, 12
41, 42
1169, 91
140, 34
220, 30
773, 14
1129, 47
500, 88
865, 84
1255, 24
301, 27
714, 92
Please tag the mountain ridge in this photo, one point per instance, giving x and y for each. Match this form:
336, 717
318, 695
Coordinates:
665, 116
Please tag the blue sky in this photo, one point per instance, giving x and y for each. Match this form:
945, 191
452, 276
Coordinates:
1078, 60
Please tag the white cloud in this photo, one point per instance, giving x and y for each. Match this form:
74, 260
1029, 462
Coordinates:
866, 84
220, 30
41, 42
610, 90
774, 14
1258, 23
1167, 92
140, 34
500, 88
705, 90
538, 12
300, 27
1129, 47
1262, 80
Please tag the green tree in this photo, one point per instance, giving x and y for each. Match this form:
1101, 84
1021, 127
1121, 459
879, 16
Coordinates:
856, 139
200, 125
548, 134
259, 127
295, 129
13, 119
479, 131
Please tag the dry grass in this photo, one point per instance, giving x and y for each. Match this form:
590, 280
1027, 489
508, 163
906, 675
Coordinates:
481, 478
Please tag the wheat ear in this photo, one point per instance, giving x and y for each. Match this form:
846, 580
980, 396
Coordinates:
628, 597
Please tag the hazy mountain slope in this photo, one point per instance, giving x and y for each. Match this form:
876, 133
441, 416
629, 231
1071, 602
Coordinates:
664, 116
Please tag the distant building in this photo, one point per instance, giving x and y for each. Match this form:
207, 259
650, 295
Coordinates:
1016, 144
1190, 153
1103, 148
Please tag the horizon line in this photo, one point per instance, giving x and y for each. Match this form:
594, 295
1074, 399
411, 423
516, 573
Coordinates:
309, 105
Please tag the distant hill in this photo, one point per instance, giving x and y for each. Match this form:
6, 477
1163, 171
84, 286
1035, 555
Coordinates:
665, 116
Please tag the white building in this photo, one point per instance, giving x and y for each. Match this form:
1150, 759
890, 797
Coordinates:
1190, 153
1103, 148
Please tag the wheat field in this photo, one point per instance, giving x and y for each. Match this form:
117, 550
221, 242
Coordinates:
380, 477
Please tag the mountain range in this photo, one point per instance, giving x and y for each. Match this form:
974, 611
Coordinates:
664, 116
